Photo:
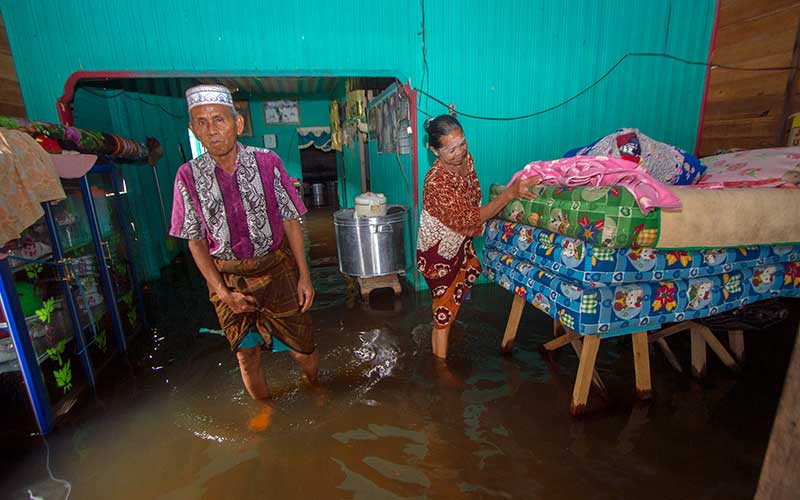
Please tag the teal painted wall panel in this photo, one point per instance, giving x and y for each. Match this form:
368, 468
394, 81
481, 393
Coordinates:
251, 37
350, 186
92, 111
313, 113
522, 56
138, 116
388, 173
392, 175
507, 58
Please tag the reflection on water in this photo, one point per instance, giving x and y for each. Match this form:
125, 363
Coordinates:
391, 422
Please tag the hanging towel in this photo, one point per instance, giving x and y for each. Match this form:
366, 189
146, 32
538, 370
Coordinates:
603, 171
27, 179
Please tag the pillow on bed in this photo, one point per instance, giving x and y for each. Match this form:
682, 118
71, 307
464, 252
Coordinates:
773, 167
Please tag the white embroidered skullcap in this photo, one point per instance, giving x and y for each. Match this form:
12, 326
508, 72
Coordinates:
208, 94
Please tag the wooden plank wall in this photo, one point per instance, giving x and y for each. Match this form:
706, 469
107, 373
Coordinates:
10, 95
748, 109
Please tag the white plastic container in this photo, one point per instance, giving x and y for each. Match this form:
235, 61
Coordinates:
370, 205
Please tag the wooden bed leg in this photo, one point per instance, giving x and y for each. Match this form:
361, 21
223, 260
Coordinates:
558, 328
560, 342
583, 380
577, 345
736, 343
641, 364
673, 360
698, 353
513, 323
718, 348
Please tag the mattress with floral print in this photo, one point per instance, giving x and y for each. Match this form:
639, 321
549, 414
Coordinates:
630, 307
608, 217
591, 266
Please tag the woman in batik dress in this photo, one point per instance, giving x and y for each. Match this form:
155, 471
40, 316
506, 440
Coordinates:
451, 216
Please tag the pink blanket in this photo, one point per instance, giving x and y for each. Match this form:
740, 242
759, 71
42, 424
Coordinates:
603, 171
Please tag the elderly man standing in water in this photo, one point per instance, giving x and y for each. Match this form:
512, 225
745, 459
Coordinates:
238, 208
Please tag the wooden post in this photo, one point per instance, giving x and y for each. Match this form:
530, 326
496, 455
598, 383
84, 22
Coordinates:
672, 330
673, 360
698, 353
779, 478
583, 380
558, 328
736, 344
577, 345
641, 364
560, 342
513, 323
718, 348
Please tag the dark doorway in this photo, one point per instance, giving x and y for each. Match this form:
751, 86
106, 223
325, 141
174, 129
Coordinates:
319, 178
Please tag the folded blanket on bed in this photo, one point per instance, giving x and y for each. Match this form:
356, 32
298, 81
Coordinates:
603, 171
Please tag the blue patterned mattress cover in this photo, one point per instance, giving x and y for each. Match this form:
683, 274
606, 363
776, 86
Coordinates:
625, 308
590, 266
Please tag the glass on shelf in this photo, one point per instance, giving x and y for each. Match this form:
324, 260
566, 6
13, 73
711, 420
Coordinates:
72, 223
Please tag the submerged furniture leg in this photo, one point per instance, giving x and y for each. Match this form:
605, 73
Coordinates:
736, 343
558, 328
718, 348
580, 393
561, 341
577, 345
673, 360
698, 353
641, 364
659, 337
513, 323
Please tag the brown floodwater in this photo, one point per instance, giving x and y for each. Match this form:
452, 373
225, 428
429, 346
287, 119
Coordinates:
389, 422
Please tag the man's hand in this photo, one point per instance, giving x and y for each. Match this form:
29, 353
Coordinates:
239, 302
305, 292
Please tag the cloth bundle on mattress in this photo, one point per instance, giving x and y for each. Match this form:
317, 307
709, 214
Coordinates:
609, 217
612, 292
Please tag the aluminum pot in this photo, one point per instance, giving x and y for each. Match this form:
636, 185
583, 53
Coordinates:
371, 246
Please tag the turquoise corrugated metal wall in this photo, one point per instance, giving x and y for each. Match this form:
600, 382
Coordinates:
350, 185
250, 37
521, 56
384, 170
507, 58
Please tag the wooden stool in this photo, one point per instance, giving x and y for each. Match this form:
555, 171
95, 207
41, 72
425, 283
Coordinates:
369, 284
